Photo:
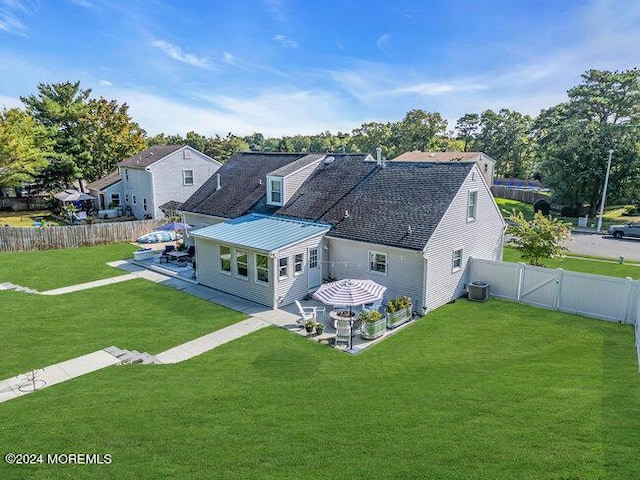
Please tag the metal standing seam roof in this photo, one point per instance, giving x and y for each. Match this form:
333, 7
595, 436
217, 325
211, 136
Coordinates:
261, 232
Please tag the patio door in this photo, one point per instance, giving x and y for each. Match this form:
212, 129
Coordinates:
315, 269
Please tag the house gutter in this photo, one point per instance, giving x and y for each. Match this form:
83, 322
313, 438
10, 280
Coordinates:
153, 192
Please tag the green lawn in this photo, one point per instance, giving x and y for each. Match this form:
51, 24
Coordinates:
48, 269
583, 264
507, 206
136, 315
26, 219
484, 391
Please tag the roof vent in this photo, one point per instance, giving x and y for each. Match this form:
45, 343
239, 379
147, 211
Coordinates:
260, 181
379, 156
346, 214
409, 229
218, 181
329, 160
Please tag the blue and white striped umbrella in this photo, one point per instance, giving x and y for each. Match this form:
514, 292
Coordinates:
349, 292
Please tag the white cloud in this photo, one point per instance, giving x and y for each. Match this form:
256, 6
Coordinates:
434, 89
10, 102
383, 42
9, 16
177, 54
267, 112
285, 41
105, 83
276, 9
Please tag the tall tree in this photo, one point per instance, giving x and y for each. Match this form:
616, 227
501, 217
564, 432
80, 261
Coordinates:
467, 128
418, 130
574, 137
24, 148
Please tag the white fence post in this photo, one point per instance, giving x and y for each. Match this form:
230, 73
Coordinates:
520, 282
557, 290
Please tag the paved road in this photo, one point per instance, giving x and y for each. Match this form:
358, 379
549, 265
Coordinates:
605, 246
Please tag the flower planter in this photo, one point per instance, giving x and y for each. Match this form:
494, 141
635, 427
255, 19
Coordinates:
398, 318
371, 330
143, 254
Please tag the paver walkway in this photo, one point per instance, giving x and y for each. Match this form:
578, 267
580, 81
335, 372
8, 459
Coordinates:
60, 372
86, 286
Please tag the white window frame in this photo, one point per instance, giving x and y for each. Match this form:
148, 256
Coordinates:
184, 178
372, 260
246, 264
456, 260
186, 154
258, 268
115, 198
283, 270
270, 182
221, 259
298, 264
486, 168
472, 208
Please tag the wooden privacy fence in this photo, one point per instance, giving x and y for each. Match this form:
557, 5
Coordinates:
47, 238
527, 196
597, 296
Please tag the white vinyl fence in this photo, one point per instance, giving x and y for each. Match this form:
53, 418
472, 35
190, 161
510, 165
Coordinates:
597, 296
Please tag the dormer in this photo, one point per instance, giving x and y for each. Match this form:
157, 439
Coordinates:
283, 183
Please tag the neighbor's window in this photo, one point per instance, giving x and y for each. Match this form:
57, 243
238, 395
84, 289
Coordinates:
283, 267
456, 263
126, 174
225, 259
126, 198
115, 199
276, 191
262, 268
241, 263
486, 167
378, 262
187, 177
144, 204
472, 205
186, 154
297, 263
135, 200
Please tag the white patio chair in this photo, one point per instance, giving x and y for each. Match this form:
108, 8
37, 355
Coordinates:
308, 313
343, 332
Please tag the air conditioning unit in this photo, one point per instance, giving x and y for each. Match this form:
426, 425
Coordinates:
479, 291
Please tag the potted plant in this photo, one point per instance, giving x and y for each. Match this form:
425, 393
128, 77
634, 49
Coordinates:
372, 324
399, 311
319, 328
310, 326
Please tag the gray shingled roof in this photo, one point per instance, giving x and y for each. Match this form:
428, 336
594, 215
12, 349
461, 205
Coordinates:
243, 185
106, 181
382, 202
150, 156
297, 165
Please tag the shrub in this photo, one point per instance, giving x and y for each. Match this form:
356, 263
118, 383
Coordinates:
369, 316
542, 206
398, 303
630, 210
569, 211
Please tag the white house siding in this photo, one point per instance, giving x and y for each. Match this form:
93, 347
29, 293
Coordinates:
209, 274
168, 181
489, 162
296, 287
294, 181
140, 185
115, 188
481, 238
405, 268
199, 220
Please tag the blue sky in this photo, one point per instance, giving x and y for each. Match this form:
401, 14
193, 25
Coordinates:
284, 67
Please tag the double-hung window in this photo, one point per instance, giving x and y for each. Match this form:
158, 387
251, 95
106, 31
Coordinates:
187, 177
456, 262
378, 262
262, 268
298, 261
242, 267
472, 205
283, 267
225, 259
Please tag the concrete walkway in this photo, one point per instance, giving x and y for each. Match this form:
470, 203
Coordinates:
210, 341
86, 286
60, 372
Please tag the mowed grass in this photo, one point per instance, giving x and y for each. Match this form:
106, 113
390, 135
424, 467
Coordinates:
135, 315
507, 206
483, 391
26, 219
583, 264
48, 269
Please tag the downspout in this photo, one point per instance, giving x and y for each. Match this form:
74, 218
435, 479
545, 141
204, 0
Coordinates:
273, 276
153, 192
424, 282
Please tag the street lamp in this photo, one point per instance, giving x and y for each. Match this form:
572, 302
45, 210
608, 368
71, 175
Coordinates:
604, 191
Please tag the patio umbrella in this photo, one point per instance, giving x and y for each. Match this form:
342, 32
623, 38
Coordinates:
349, 292
71, 195
174, 226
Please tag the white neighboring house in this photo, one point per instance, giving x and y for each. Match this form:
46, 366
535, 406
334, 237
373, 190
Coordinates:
160, 175
486, 164
276, 225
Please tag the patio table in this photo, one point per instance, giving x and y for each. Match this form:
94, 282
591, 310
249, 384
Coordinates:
176, 254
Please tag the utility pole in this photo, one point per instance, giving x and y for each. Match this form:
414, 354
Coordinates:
604, 190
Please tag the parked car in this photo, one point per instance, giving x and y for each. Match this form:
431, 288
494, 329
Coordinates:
628, 230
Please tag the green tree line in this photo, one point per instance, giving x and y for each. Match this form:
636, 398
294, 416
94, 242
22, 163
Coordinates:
63, 135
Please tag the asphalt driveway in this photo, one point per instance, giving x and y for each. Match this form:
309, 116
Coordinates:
605, 246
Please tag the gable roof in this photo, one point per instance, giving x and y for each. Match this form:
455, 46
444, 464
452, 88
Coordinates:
418, 156
382, 203
297, 164
257, 232
242, 185
105, 182
149, 156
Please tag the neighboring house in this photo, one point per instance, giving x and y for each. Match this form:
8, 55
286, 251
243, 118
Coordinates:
276, 225
486, 164
159, 176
